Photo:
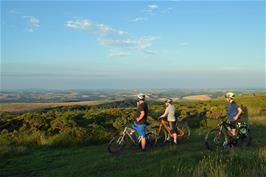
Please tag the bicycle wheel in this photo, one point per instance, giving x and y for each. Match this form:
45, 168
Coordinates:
161, 137
183, 131
245, 140
151, 139
214, 139
116, 144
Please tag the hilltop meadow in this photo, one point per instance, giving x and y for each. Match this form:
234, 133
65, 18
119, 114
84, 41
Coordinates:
72, 141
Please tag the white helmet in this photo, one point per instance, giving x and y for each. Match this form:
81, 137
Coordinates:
169, 100
141, 96
229, 95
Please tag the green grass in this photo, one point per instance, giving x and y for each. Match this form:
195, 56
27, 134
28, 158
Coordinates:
188, 159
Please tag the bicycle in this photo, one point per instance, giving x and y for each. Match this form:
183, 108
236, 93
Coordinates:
164, 134
118, 142
216, 137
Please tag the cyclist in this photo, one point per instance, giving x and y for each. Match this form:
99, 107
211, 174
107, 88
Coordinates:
140, 119
170, 114
233, 113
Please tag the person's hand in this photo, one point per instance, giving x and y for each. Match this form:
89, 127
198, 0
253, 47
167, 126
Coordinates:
236, 117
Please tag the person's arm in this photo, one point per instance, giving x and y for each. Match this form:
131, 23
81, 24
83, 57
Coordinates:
164, 114
239, 111
142, 113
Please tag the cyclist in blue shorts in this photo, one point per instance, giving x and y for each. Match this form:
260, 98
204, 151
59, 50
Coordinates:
140, 119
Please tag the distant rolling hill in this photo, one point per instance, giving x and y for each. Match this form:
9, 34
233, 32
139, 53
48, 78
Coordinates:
21, 107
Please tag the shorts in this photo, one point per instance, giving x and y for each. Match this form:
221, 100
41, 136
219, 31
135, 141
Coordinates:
140, 128
172, 125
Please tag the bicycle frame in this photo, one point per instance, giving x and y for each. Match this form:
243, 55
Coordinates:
224, 126
163, 125
126, 132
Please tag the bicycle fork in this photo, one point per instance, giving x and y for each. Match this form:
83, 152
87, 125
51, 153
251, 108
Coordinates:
121, 138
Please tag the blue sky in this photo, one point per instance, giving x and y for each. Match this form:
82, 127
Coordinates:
90, 45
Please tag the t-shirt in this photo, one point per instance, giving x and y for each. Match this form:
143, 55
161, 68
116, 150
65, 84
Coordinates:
170, 113
141, 107
232, 110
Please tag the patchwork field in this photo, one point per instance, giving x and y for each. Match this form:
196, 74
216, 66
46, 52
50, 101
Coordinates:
23, 107
197, 97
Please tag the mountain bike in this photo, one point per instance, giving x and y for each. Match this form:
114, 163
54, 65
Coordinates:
118, 142
164, 134
216, 138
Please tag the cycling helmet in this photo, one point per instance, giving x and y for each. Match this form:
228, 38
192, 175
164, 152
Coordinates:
141, 96
168, 100
229, 95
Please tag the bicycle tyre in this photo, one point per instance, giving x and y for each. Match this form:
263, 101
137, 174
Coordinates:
151, 139
214, 139
186, 131
116, 144
161, 137
245, 140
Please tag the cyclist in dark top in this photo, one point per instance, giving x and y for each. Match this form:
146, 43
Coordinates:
140, 119
233, 113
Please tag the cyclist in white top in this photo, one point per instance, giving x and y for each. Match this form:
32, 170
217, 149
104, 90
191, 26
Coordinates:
170, 114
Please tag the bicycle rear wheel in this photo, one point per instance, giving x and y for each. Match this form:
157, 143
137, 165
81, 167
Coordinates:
183, 131
116, 144
245, 140
214, 139
151, 138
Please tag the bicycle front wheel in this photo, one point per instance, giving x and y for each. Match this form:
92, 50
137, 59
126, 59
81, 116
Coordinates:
161, 137
214, 139
116, 144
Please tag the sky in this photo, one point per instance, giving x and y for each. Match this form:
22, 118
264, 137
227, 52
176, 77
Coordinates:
132, 44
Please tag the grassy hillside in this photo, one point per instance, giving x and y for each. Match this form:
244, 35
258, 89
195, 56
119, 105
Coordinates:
71, 141
190, 159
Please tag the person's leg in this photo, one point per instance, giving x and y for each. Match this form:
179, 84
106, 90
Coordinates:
143, 143
141, 131
173, 131
175, 138
234, 132
233, 128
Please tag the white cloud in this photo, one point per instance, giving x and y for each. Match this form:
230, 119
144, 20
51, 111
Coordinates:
150, 9
82, 24
34, 23
87, 25
113, 38
117, 42
146, 42
142, 44
138, 19
154, 9
153, 6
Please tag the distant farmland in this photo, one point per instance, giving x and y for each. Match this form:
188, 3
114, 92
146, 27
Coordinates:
21, 107
197, 97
